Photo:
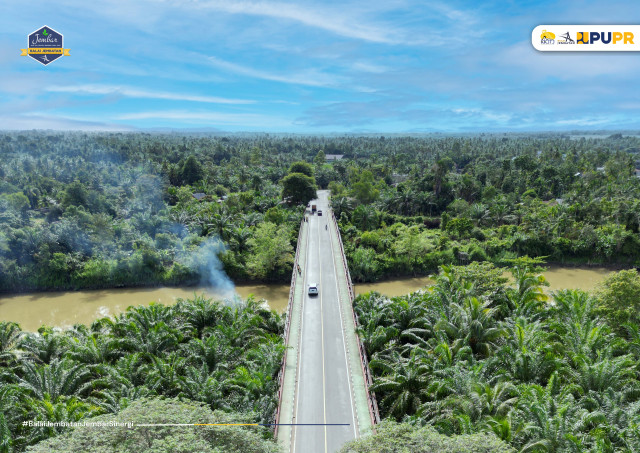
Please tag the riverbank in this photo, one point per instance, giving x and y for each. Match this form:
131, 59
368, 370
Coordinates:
558, 276
65, 308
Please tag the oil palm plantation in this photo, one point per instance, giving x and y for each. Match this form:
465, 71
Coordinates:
224, 356
543, 372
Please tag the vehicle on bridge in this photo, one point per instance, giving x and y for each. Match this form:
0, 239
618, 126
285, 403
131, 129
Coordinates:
313, 289
319, 212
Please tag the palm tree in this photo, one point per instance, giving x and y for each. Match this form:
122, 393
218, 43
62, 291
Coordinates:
402, 387
376, 337
58, 410
473, 324
46, 346
200, 384
618, 373
163, 375
365, 217
548, 414
57, 379
239, 237
253, 218
528, 355
210, 351
157, 340
10, 338
528, 298
100, 349
6, 439
199, 312
610, 413
478, 213
221, 225
579, 334
342, 204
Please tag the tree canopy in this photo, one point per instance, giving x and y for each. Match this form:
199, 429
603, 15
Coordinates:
187, 439
298, 188
301, 167
394, 437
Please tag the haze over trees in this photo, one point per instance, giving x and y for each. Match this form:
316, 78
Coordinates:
100, 210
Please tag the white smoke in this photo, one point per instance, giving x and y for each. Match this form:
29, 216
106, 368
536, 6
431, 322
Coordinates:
211, 270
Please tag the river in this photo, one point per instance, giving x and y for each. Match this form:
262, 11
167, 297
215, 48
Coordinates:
63, 309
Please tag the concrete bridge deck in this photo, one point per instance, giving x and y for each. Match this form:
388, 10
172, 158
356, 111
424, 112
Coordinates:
324, 394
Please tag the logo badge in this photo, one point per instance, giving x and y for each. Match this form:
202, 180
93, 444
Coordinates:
586, 38
566, 39
547, 37
45, 45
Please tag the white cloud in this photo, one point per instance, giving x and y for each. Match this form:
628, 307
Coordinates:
143, 94
309, 78
37, 121
364, 66
566, 66
593, 121
335, 21
484, 114
222, 118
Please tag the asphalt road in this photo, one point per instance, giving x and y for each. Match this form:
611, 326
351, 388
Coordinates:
324, 394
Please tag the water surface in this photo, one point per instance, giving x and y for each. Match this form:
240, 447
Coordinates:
63, 309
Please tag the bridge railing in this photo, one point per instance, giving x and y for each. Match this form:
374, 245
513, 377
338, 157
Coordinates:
287, 325
364, 362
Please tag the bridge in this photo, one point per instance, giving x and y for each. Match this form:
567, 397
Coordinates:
324, 382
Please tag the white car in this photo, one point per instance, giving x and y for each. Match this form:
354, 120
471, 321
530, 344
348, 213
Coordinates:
313, 289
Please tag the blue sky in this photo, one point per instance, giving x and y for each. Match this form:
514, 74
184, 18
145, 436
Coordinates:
313, 67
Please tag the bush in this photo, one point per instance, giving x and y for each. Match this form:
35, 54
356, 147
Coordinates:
433, 260
477, 253
394, 437
370, 239
478, 234
188, 439
363, 265
618, 298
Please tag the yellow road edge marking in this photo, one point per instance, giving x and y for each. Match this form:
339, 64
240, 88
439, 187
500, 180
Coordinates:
226, 424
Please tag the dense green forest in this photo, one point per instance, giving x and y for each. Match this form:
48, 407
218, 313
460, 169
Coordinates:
226, 357
88, 210
472, 363
106, 210
474, 354
465, 200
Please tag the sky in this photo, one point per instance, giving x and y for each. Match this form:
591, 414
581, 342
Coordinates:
314, 67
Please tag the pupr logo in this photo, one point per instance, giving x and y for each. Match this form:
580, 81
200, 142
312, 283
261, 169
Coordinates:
566, 39
595, 37
547, 37
45, 45
586, 38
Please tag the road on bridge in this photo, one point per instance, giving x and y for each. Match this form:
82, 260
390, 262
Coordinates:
324, 393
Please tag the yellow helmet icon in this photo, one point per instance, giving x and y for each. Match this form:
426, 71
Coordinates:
547, 35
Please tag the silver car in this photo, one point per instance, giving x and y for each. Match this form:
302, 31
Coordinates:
313, 289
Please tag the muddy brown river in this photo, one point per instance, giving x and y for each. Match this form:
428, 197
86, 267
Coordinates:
63, 309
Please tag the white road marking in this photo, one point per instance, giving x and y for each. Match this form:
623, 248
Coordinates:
294, 431
324, 393
344, 342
